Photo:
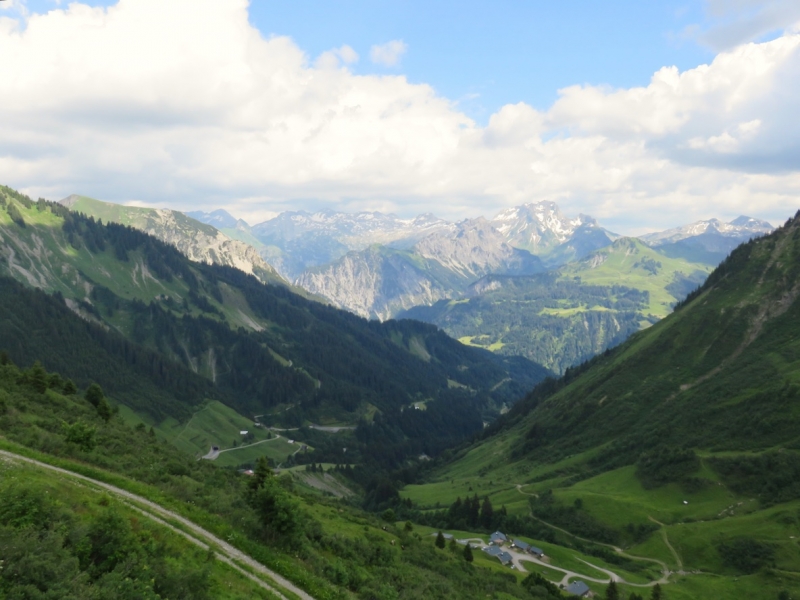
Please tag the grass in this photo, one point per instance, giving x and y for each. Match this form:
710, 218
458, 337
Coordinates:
215, 424
619, 268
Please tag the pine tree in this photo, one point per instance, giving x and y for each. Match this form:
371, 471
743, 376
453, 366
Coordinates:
487, 513
440, 540
70, 388
612, 593
37, 377
656, 594
468, 553
104, 410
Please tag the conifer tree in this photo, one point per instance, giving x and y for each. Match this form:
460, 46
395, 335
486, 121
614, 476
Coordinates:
37, 377
656, 594
440, 540
468, 553
612, 593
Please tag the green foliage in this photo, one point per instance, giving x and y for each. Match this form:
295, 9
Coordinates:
37, 377
70, 388
81, 434
94, 394
440, 540
665, 465
78, 549
468, 553
539, 587
104, 409
15, 214
575, 520
772, 477
746, 555
612, 592
556, 322
656, 594
277, 512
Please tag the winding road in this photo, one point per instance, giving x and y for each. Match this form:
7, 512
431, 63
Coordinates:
195, 534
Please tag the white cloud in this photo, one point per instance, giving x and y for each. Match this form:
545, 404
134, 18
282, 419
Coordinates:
331, 59
185, 104
388, 54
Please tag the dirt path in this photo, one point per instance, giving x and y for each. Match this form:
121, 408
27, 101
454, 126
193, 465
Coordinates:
663, 532
519, 489
277, 437
664, 567
203, 537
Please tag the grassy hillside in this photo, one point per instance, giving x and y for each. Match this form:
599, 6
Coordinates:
681, 445
58, 535
563, 318
631, 263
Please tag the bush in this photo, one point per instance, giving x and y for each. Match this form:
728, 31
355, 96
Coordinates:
746, 555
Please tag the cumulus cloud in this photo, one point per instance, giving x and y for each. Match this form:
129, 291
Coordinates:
332, 59
388, 54
185, 104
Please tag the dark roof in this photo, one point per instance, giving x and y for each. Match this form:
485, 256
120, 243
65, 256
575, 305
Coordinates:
499, 536
493, 550
504, 557
535, 550
578, 588
522, 545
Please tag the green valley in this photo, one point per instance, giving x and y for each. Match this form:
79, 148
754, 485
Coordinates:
678, 446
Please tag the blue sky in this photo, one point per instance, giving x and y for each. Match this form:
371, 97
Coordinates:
487, 54
646, 115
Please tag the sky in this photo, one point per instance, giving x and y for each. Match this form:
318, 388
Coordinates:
645, 115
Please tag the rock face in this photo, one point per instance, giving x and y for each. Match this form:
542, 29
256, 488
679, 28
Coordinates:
543, 230
379, 282
198, 241
298, 240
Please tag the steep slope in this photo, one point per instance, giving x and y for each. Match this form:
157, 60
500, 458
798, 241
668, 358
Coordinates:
543, 230
565, 317
198, 241
96, 508
690, 427
380, 282
266, 350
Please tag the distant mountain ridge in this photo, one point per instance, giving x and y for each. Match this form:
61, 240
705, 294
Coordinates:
379, 282
196, 240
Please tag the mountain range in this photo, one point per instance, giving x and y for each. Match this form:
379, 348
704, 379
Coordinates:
381, 266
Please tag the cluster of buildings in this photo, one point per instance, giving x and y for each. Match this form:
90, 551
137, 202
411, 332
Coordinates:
495, 548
